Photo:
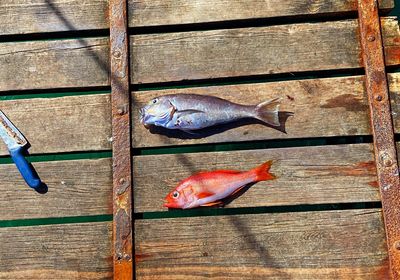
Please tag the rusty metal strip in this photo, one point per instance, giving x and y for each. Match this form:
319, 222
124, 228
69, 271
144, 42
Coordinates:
121, 135
382, 127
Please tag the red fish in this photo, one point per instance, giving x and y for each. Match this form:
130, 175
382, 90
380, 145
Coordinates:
208, 188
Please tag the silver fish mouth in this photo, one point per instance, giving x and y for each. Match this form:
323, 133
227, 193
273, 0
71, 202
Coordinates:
144, 118
142, 114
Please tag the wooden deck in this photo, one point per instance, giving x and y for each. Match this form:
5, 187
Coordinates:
321, 219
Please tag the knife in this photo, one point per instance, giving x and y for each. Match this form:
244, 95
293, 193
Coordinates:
18, 147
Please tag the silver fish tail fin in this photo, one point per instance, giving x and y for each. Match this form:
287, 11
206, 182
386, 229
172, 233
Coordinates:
268, 112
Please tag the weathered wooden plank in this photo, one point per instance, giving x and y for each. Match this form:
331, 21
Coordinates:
38, 16
22, 17
323, 107
166, 12
309, 175
76, 188
253, 51
394, 91
306, 175
54, 64
69, 251
190, 55
65, 124
310, 245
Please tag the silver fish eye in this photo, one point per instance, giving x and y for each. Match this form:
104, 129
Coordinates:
175, 194
154, 100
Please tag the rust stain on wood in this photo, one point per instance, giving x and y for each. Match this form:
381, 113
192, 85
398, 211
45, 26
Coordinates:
360, 169
383, 272
349, 102
141, 257
392, 54
305, 175
374, 184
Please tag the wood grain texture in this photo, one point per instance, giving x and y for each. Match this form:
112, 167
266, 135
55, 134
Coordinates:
253, 51
394, 91
191, 55
38, 16
69, 251
64, 124
76, 188
322, 107
166, 12
310, 245
306, 175
54, 64
22, 17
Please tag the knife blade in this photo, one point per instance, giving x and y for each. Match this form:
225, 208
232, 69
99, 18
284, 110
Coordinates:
18, 147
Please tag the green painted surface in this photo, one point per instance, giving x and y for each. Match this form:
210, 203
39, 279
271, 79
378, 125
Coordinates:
4, 96
177, 213
57, 157
53, 221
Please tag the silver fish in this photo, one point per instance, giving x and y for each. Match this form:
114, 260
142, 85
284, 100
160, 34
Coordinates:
192, 111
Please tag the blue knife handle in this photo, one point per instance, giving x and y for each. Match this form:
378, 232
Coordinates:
25, 168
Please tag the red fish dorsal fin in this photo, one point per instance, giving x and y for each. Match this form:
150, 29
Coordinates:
229, 171
217, 171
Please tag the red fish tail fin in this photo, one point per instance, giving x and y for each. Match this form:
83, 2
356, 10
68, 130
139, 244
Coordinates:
262, 172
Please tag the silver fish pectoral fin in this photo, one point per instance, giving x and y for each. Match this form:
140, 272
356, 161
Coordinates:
187, 120
172, 111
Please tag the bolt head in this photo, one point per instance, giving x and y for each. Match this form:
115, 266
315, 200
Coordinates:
371, 38
117, 54
386, 159
387, 187
396, 245
120, 111
119, 256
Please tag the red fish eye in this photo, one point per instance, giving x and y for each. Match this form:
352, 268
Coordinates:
175, 194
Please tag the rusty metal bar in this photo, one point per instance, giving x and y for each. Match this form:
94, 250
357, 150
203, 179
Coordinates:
382, 127
121, 135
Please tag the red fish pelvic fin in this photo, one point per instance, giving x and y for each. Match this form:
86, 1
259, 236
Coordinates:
262, 172
215, 203
204, 194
